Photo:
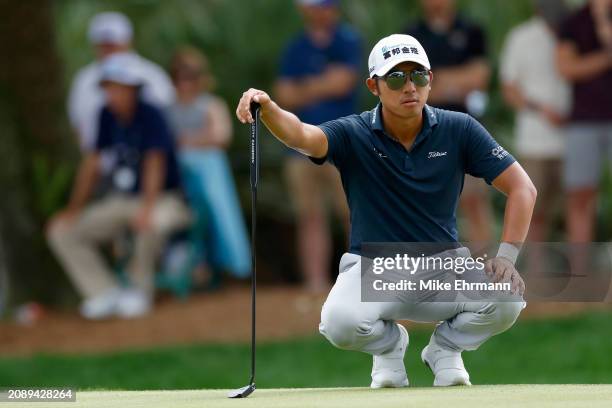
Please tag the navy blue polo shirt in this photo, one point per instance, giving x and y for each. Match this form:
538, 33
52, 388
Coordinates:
303, 58
126, 144
400, 195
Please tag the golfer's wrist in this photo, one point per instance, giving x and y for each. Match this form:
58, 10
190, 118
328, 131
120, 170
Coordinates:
508, 251
268, 108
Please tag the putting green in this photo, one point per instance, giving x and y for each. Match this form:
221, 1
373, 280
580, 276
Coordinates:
498, 396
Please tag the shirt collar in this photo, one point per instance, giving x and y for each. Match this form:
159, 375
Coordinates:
376, 118
430, 119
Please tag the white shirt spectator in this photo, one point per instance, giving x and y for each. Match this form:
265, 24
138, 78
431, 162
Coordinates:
86, 97
528, 61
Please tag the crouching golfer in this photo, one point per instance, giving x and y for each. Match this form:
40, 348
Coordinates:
402, 166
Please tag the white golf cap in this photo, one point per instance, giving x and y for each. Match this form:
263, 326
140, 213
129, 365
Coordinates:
393, 50
110, 28
122, 68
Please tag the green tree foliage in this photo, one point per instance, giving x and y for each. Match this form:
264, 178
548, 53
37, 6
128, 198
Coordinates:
244, 39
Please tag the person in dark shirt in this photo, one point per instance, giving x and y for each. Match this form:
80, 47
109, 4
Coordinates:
144, 197
402, 166
317, 79
457, 49
584, 58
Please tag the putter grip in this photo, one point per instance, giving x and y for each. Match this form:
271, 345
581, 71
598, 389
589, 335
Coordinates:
254, 143
254, 109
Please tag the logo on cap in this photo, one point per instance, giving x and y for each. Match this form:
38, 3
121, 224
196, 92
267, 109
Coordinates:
396, 50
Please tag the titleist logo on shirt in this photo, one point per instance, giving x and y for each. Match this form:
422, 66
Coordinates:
436, 154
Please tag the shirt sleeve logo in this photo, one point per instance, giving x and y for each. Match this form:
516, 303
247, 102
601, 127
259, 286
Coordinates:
499, 152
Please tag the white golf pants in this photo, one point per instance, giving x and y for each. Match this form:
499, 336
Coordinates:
348, 323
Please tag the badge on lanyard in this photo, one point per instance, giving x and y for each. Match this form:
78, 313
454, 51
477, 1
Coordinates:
124, 178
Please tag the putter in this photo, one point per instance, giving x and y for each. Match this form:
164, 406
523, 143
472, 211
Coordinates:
248, 389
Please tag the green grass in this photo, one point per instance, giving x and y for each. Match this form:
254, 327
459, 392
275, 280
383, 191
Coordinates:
524, 396
572, 350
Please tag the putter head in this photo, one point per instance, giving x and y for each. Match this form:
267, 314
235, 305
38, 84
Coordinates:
242, 392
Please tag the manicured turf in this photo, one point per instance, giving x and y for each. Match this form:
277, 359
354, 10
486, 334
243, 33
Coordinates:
573, 350
498, 396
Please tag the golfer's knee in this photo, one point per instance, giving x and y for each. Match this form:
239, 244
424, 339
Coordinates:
342, 327
505, 314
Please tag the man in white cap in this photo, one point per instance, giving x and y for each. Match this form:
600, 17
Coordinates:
402, 166
110, 33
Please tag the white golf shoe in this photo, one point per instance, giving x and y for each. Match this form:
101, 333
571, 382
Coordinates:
446, 365
388, 370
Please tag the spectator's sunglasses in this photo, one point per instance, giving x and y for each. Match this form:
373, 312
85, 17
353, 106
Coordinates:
397, 79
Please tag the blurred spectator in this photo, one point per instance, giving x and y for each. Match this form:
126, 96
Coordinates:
533, 87
317, 80
144, 198
457, 52
110, 33
203, 128
585, 59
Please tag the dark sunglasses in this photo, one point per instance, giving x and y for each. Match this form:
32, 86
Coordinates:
397, 79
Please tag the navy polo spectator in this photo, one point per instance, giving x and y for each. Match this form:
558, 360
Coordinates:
305, 60
317, 80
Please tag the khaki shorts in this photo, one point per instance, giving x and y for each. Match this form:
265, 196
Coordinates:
312, 187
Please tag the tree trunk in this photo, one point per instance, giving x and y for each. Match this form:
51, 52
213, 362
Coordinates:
33, 145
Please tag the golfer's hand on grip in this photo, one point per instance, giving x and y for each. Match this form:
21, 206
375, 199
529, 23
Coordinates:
243, 111
284, 125
500, 269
